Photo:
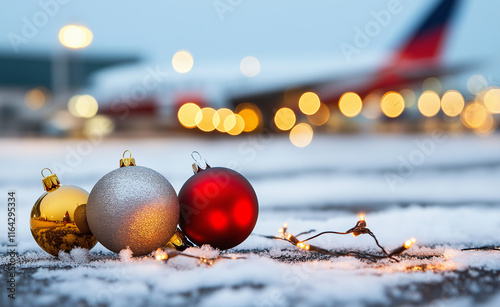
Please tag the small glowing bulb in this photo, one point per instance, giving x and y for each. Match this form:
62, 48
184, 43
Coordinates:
409, 243
158, 257
308, 247
289, 236
361, 217
280, 230
285, 225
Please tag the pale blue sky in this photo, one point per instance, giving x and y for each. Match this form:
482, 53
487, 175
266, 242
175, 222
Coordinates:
158, 28
286, 29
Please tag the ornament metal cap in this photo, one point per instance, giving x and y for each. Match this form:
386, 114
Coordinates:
127, 161
200, 163
51, 182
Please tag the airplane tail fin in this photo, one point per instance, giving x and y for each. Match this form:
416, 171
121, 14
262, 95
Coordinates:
427, 40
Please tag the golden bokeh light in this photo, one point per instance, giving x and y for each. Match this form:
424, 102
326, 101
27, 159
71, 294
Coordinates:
321, 117
187, 114
452, 103
476, 84
83, 106
309, 103
409, 97
474, 115
392, 104
492, 100
371, 106
204, 119
98, 125
239, 125
432, 84
301, 135
250, 66
229, 122
220, 118
350, 104
251, 117
182, 61
75, 37
284, 119
429, 103
35, 98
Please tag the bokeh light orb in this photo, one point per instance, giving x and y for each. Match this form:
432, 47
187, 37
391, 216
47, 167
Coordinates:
476, 84
84, 106
220, 119
429, 103
284, 119
204, 119
35, 98
187, 114
392, 104
301, 135
452, 103
474, 115
75, 37
309, 103
251, 118
350, 104
98, 125
492, 100
250, 66
239, 125
182, 61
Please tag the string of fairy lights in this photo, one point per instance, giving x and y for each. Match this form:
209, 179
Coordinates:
167, 254
179, 243
359, 229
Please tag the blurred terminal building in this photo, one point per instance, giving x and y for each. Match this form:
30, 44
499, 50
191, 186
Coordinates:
68, 93
28, 84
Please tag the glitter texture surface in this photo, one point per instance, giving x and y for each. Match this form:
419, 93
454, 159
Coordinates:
133, 207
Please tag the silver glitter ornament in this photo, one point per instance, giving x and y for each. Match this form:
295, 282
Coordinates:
134, 207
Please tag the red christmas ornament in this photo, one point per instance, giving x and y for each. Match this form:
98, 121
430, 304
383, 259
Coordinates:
218, 206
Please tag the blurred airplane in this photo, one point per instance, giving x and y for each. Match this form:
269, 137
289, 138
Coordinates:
152, 90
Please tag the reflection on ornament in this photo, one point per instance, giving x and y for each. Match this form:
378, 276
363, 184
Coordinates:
178, 241
58, 220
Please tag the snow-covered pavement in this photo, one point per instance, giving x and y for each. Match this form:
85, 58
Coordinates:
441, 189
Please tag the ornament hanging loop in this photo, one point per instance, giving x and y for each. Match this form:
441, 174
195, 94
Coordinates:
127, 161
200, 163
50, 182
46, 168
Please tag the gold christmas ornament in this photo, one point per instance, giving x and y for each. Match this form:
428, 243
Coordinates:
58, 220
133, 207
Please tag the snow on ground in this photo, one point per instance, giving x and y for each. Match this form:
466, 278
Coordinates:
440, 189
